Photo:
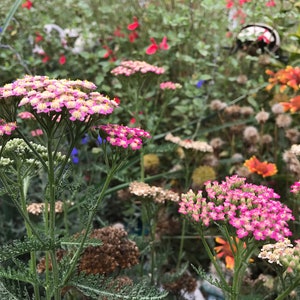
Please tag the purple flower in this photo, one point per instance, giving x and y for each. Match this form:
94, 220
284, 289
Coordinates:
200, 83
74, 156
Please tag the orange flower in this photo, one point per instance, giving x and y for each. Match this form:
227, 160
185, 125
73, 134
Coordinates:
224, 250
264, 169
288, 77
293, 105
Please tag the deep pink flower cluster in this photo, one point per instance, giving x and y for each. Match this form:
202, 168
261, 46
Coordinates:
7, 128
123, 136
168, 85
249, 208
130, 67
295, 187
51, 96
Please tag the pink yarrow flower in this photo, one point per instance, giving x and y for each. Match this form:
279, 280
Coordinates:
123, 136
7, 128
42, 95
168, 85
130, 67
252, 210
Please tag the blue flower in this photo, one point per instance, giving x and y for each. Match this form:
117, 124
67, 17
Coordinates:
0, 29
74, 156
85, 139
100, 141
200, 83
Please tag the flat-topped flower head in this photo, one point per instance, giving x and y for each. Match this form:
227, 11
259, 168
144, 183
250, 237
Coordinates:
7, 128
42, 95
189, 144
169, 85
249, 209
130, 67
123, 136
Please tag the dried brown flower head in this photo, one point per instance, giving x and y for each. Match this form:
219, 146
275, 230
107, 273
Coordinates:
283, 120
251, 135
185, 282
262, 117
217, 105
293, 135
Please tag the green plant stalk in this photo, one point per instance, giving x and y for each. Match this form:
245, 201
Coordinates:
9, 16
88, 227
213, 259
51, 228
182, 237
23, 184
291, 287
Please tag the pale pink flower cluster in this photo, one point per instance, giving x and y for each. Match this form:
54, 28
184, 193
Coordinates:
52, 96
7, 128
123, 136
189, 144
26, 115
38, 208
158, 194
284, 254
168, 85
249, 208
295, 187
130, 67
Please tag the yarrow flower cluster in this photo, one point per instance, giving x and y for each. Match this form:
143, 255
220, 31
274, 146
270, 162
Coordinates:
123, 136
284, 254
38, 208
248, 208
7, 128
189, 144
168, 85
295, 187
41, 95
130, 67
158, 194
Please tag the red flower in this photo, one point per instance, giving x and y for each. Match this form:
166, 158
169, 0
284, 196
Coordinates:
264, 169
229, 4
134, 25
62, 60
133, 36
152, 48
38, 37
264, 38
108, 52
132, 121
164, 45
45, 59
271, 3
117, 99
118, 33
27, 4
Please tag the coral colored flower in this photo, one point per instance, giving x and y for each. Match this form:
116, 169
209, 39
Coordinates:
293, 105
27, 4
271, 3
62, 60
134, 25
132, 121
264, 169
117, 100
152, 48
224, 250
108, 52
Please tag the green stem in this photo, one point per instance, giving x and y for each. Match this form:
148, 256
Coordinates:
214, 261
23, 186
50, 216
88, 226
285, 293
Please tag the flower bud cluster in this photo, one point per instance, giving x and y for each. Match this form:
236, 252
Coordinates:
250, 209
130, 67
123, 136
284, 254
